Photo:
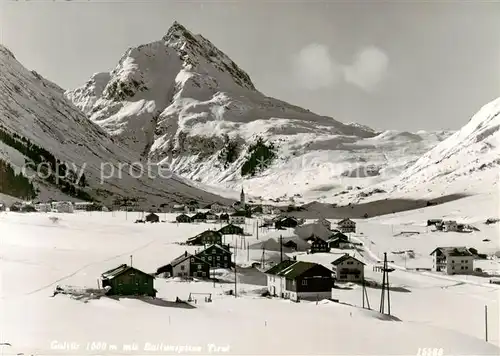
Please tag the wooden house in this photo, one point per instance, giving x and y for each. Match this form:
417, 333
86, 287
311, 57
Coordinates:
207, 237
211, 216
434, 222
319, 245
287, 222
231, 229
306, 280
224, 217
217, 256
127, 280
186, 265
290, 244
338, 240
199, 217
153, 218
183, 218
348, 269
347, 225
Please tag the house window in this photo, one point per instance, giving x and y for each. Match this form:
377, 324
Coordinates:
213, 251
199, 267
203, 274
225, 258
192, 259
182, 268
304, 282
225, 265
218, 264
218, 258
210, 258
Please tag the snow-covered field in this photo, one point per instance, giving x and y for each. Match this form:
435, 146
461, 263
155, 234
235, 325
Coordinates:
36, 255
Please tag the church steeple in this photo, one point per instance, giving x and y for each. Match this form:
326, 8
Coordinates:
242, 198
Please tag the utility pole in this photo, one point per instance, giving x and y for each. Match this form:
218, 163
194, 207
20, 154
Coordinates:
248, 252
365, 295
385, 286
130, 260
281, 248
257, 229
235, 277
486, 322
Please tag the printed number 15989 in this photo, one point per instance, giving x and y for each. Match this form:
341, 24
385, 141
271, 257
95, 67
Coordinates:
430, 351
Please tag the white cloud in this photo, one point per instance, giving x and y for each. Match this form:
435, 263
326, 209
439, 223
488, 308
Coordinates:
314, 68
369, 68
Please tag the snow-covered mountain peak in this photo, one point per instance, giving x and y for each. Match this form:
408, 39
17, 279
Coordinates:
195, 49
6, 51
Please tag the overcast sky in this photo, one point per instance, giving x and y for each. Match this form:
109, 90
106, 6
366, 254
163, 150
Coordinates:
387, 64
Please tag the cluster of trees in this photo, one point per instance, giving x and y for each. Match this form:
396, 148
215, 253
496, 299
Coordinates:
15, 184
56, 172
259, 157
229, 152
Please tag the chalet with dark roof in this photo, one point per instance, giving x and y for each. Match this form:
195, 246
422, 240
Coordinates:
287, 222
348, 269
211, 216
153, 218
319, 245
199, 217
207, 237
290, 244
183, 218
126, 280
224, 217
231, 229
184, 266
307, 280
338, 240
217, 256
453, 260
346, 225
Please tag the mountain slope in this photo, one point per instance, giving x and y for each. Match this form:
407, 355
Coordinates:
475, 147
182, 101
466, 162
37, 120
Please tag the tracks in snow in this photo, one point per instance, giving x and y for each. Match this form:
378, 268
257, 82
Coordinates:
88, 265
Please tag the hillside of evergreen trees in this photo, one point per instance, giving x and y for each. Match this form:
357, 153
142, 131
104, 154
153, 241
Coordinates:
66, 179
260, 156
229, 152
14, 184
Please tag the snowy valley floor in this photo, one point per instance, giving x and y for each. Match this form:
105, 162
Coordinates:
436, 311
